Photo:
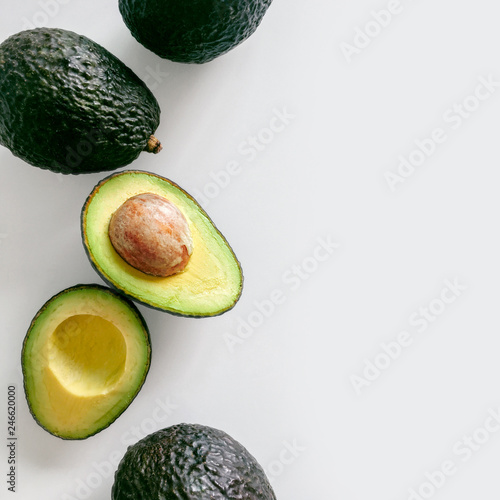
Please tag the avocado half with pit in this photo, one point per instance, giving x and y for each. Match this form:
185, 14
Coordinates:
84, 359
209, 281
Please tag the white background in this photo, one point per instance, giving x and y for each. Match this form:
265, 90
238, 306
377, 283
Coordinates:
290, 381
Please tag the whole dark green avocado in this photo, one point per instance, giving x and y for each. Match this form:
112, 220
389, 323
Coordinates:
190, 462
192, 31
68, 105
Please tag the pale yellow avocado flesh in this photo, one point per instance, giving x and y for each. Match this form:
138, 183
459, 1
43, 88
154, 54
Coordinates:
211, 282
84, 359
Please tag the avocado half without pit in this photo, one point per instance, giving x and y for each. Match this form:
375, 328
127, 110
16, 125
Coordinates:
151, 240
84, 359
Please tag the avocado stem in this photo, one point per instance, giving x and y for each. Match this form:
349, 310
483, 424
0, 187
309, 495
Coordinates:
153, 145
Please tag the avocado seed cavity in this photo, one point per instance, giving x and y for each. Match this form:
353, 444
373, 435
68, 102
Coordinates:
151, 234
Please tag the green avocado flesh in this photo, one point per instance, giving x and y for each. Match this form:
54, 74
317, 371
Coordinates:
192, 31
209, 285
190, 462
70, 106
84, 359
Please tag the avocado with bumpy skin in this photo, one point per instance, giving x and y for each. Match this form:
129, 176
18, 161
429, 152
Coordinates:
192, 31
190, 462
84, 359
152, 241
68, 105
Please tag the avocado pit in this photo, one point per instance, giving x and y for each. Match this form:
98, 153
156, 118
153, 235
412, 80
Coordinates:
151, 234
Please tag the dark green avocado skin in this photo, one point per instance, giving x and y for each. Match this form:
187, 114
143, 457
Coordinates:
190, 462
192, 31
68, 105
